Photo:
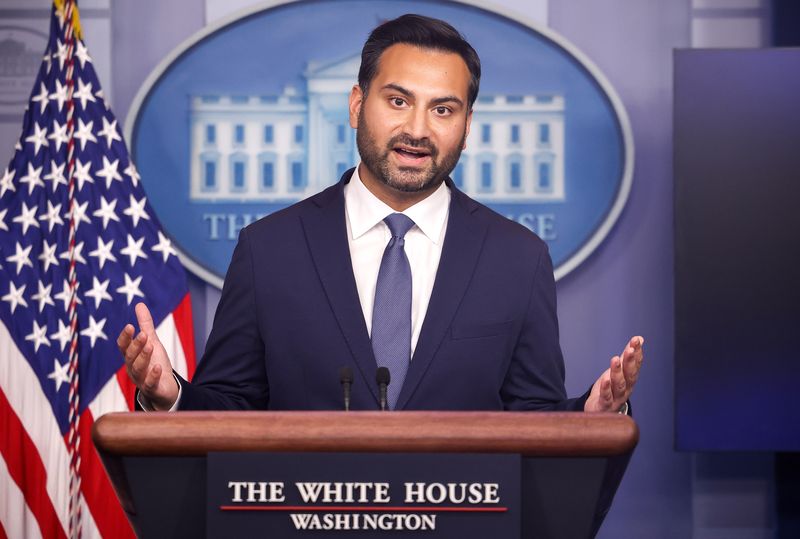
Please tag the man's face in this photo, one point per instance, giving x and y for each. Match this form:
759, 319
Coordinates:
413, 123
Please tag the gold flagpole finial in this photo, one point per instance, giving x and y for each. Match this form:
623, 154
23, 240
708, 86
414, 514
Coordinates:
76, 20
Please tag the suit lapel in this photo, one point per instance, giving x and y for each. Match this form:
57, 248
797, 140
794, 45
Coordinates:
326, 234
462, 246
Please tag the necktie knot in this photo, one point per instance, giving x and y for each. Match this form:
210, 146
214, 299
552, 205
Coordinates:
398, 224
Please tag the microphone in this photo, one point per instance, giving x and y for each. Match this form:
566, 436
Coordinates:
383, 377
346, 379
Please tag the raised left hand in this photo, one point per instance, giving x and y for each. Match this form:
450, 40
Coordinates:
615, 385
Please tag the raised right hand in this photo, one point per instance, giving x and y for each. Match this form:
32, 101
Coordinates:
147, 362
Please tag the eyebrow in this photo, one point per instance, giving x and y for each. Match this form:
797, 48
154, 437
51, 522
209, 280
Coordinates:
437, 101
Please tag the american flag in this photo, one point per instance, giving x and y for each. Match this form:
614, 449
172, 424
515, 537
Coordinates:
80, 245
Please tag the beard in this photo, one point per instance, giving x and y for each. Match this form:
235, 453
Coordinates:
405, 179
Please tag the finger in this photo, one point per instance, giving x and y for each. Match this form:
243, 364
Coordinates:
606, 394
135, 348
630, 364
640, 352
618, 384
144, 318
125, 337
150, 384
140, 364
638, 357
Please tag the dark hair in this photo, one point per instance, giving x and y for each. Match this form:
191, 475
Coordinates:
424, 32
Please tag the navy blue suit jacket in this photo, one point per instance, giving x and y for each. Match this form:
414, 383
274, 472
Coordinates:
290, 317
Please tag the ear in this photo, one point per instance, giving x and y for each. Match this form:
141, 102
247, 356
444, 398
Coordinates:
466, 131
356, 98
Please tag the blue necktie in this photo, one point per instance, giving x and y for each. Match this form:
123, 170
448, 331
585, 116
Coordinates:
391, 313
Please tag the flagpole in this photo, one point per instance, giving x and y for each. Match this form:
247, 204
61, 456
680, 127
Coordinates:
74, 439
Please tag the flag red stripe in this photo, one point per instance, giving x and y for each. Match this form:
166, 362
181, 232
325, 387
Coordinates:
127, 387
183, 323
3, 532
27, 469
97, 490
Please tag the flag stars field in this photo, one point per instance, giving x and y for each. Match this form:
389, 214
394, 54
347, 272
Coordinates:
26, 218
78, 254
134, 249
56, 175
48, 255
82, 173
103, 101
15, 297
103, 252
61, 53
64, 295
95, 330
84, 133
136, 210
63, 335
58, 135
32, 178
59, 95
84, 93
109, 171
109, 133
98, 292
60, 374
38, 138
7, 182
82, 53
164, 246
52, 216
21, 257
80, 214
43, 295
37, 336
131, 288
133, 174
43, 98
107, 211
48, 61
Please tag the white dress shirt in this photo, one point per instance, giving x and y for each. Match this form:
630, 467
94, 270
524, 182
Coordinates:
368, 235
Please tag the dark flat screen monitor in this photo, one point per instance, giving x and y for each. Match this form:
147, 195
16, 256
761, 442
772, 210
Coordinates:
737, 249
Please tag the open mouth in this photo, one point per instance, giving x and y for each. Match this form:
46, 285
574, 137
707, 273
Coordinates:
411, 154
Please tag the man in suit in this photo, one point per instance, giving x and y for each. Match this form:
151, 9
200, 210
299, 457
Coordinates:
392, 266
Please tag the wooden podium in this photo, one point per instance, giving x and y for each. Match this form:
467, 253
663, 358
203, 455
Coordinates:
572, 463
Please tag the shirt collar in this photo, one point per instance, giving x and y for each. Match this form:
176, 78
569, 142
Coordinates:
365, 210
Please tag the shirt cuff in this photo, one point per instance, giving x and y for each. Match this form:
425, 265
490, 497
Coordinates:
147, 406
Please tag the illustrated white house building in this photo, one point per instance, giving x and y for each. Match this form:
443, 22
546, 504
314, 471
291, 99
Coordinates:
286, 147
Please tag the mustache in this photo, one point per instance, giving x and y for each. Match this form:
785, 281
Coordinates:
414, 143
